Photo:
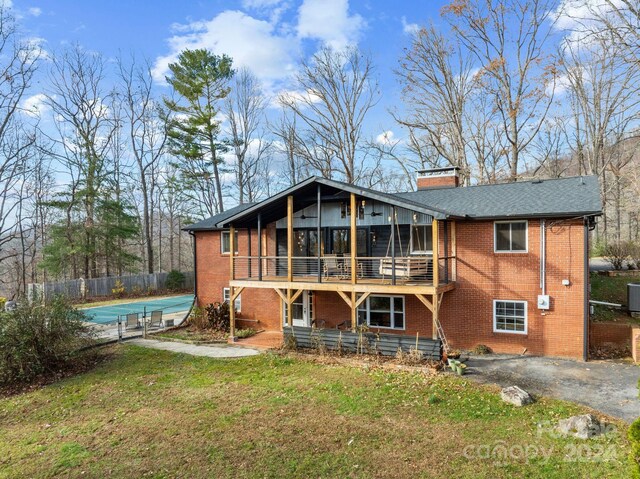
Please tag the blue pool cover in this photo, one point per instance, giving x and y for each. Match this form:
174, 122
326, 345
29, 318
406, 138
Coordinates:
109, 314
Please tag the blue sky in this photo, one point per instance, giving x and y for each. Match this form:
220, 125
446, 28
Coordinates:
268, 36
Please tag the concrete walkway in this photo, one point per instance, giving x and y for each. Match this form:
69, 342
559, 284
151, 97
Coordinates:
217, 351
606, 386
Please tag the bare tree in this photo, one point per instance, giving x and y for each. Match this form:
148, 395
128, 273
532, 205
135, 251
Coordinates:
437, 82
147, 139
18, 63
509, 39
605, 94
337, 91
285, 131
244, 108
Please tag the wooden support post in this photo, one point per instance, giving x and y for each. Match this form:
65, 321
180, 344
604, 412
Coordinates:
436, 311
354, 239
319, 231
289, 309
289, 238
393, 245
436, 253
232, 249
454, 252
445, 243
354, 312
232, 315
259, 247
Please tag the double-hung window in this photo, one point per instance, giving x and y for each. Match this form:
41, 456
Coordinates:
225, 242
382, 312
510, 316
226, 297
510, 236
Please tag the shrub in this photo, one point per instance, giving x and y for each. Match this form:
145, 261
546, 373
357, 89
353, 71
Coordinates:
118, 290
482, 349
175, 280
246, 333
3, 301
38, 340
616, 254
634, 254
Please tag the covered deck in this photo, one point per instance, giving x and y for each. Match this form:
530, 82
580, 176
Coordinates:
328, 232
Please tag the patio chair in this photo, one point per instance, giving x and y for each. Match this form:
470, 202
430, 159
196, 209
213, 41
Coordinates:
156, 319
133, 321
332, 266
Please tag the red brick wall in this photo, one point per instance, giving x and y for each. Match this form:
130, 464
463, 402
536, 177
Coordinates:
424, 182
467, 311
213, 276
603, 333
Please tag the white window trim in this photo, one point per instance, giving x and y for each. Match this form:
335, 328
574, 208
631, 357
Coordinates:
419, 252
511, 251
367, 310
228, 233
526, 316
226, 296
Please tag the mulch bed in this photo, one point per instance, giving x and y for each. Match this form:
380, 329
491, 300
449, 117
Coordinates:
609, 351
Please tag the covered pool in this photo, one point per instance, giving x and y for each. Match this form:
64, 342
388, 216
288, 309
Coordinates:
109, 313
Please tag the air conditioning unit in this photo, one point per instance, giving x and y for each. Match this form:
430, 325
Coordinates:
633, 297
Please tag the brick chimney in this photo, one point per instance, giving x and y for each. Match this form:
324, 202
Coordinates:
438, 178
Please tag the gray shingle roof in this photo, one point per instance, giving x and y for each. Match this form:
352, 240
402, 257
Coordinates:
574, 196
210, 223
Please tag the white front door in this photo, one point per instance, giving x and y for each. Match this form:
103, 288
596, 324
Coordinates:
301, 310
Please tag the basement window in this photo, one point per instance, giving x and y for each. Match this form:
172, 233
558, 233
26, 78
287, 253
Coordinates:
510, 236
382, 312
226, 297
510, 316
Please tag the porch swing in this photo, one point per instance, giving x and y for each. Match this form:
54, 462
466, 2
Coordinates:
406, 265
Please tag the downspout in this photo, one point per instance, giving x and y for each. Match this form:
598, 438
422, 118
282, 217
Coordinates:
585, 339
543, 256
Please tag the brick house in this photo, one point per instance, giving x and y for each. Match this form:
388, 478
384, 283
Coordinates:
502, 265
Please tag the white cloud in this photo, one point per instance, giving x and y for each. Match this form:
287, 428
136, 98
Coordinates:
35, 105
251, 42
560, 87
260, 4
6, 3
409, 28
386, 138
35, 11
297, 96
578, 18
329, 21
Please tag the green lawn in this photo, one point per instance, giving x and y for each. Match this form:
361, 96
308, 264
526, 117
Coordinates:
612, 289
149, 413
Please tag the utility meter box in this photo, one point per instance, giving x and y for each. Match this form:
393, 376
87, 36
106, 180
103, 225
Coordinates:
544, 301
